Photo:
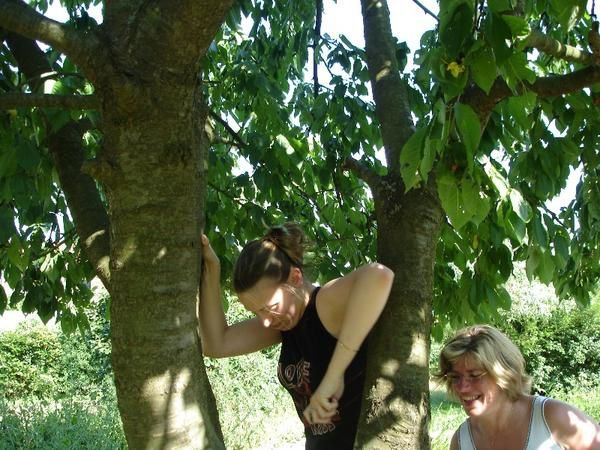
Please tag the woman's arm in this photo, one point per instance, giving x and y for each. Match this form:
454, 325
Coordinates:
570, 427
218, 338
348, 308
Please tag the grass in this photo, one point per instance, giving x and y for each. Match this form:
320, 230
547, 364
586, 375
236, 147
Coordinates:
74, 423
258, 420
446, 416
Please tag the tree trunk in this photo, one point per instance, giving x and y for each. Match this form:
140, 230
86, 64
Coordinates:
153, 170
396, 409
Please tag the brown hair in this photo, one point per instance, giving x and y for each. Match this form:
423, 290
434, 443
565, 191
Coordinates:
493, 351
273, 256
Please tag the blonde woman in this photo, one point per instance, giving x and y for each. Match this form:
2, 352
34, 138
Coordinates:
485, 371
321, 329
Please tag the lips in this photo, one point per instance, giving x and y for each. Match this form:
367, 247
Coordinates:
469, 402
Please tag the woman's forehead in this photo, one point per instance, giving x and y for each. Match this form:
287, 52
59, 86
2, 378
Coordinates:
465, 363
262, 293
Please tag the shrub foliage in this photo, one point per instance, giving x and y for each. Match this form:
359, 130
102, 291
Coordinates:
561, 348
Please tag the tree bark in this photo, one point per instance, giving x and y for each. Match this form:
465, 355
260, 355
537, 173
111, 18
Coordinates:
156, 188
396, 404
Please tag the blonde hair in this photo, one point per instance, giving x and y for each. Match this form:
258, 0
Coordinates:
273, 256
493, 351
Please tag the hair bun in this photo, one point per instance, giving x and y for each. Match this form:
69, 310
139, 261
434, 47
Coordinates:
290, 238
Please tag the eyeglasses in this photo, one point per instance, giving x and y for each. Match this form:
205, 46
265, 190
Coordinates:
269, 309
473, 377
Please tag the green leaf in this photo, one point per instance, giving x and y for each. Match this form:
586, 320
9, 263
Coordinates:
516, 227
7, 224
483, 67
456, 25
545, 269
27, 155
499, 5
561, 251
3, 300
520, 206
450, 198
539, 232
33, 298
470, 130
475, 202
534, 257
498, 180
515, 70
497, 33
519, 27
410, 158
521, 107
17, 255
567, 11
430, 152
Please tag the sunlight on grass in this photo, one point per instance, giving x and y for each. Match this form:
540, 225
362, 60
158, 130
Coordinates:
446, 416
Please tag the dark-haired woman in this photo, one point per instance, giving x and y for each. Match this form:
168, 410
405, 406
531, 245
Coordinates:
485, 371
322, 329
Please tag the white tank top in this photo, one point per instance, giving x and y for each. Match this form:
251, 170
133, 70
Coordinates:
539, 436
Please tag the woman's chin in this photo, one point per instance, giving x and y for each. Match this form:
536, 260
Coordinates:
472, 406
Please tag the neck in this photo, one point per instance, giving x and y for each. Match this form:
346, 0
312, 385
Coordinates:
307, 289
501, 419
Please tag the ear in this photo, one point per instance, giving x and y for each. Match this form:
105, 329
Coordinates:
295, 277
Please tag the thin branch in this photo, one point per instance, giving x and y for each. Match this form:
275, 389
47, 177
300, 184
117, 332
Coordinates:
238, 200
427, 11
236, 137
13, 100
555, 48
317, 37
312, 203
363, 172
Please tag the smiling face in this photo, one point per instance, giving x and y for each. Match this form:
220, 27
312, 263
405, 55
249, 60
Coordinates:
279, 305
476, 389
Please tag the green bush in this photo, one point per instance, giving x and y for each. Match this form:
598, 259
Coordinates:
561, 349
30, 360
37, 361
74, 423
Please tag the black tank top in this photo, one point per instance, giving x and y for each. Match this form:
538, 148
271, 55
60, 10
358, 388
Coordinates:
306, 351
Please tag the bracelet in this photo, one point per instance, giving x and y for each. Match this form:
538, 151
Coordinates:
346, 347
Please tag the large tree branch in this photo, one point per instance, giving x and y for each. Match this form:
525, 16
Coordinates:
173, 34
551, 86
35, 62
389, 91
13, 100
555, 48
22, 19
89, 214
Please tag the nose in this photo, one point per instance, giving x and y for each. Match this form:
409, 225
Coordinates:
462, 384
